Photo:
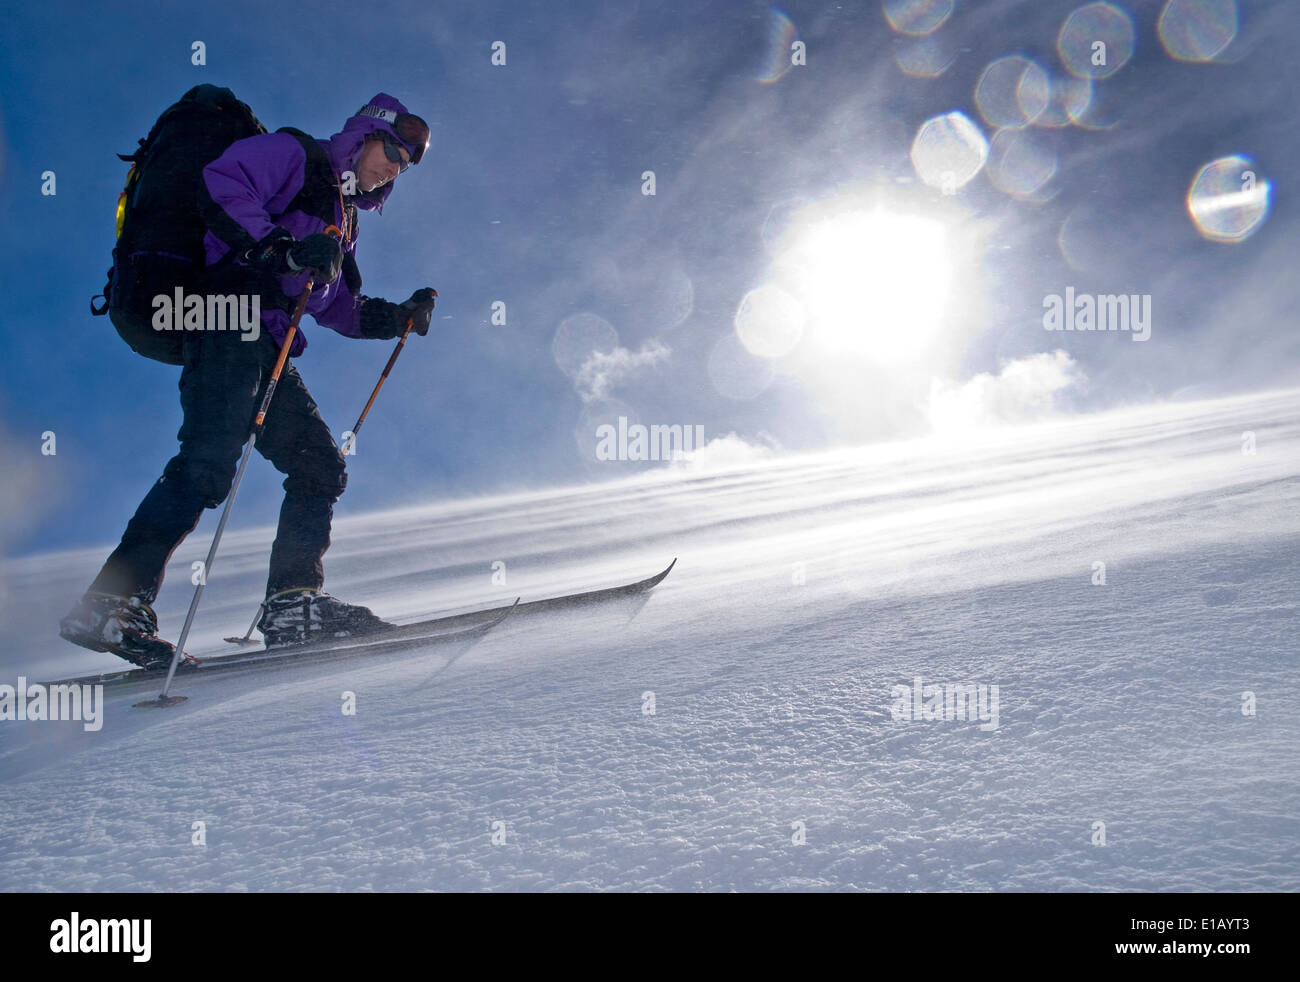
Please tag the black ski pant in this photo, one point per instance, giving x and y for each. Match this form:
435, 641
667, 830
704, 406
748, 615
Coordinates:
223, 380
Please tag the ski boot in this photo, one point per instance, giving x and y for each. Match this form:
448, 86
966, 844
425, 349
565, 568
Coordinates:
304, 616
125, 626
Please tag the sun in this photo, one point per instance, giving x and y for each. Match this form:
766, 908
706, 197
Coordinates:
873, 283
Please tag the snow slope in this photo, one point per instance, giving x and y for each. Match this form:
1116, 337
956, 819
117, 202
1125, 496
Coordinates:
806, 589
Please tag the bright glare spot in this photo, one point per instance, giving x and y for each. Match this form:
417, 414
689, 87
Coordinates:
1228, 199
873, 283
948, 151
769, 322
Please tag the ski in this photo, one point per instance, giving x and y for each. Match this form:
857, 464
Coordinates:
437, 630
531, 607
382, 643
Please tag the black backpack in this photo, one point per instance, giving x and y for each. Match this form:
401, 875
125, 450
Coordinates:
159, 230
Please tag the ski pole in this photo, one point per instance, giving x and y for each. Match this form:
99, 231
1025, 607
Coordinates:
383, 377
298, 310
248, 635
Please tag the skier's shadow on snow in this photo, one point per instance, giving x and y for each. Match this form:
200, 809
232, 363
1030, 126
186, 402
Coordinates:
628, 607
459, 650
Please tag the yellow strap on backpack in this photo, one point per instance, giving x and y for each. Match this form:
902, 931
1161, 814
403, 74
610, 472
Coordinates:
121, 199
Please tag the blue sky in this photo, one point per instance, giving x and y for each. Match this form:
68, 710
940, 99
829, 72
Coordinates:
531, 194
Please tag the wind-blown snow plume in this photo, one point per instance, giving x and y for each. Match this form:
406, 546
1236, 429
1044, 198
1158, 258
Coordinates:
1024, 390
604, 369
721, 452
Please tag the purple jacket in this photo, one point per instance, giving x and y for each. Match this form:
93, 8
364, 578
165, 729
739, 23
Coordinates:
253, 183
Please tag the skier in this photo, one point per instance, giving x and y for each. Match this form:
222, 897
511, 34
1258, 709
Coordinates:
267, 203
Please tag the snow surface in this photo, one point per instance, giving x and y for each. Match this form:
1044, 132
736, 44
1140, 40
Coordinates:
806, 588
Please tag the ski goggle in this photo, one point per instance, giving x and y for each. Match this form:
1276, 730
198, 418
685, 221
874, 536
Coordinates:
393, 151
412, 132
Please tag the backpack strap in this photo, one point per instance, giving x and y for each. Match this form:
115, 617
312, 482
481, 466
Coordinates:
316, 197
320, 187
99, 310
320, 191
221, 224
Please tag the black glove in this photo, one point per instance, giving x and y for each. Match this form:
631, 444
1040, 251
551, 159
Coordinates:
382, 320
269, 254
282, 254
318, 252
420, 309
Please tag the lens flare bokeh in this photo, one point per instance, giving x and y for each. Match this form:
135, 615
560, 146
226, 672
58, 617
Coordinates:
1096, 41
1085, 240
780, 217
1197, 30
579, 337
780, 35
769, 322
917, 17
948, 151
925, 57
1228, 199
1066, 99
1020, 163
1011, 92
